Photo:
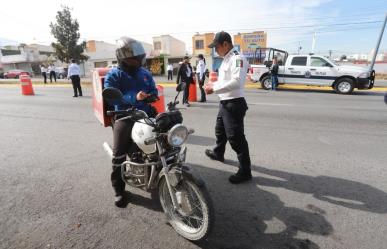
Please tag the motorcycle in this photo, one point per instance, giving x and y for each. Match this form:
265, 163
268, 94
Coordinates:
155, 163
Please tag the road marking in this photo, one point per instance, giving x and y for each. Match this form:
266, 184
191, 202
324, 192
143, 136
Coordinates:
270, 104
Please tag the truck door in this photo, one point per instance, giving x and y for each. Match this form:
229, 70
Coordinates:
296, 70
321, 72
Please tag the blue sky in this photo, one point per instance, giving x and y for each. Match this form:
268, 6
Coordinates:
339, 24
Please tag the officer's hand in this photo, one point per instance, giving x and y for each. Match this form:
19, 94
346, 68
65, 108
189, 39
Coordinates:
208, 88
142, 95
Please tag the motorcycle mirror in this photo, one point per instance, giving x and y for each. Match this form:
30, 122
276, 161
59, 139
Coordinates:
180, 87
112, 94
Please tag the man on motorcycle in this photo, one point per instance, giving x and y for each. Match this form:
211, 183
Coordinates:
136, 84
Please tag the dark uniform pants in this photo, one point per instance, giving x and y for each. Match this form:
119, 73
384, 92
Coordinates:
186, 93
201, 84
122, 140
230, 127
76, 81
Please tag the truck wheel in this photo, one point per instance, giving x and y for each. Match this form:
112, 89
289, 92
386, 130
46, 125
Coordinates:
344, 86
266, 83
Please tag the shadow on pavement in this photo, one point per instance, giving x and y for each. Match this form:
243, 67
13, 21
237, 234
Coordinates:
249, 217
346, 193
201, 140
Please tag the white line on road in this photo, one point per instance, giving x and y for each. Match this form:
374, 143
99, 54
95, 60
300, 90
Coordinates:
271, 104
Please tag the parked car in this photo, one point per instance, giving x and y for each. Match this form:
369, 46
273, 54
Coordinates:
61, 72
15, 74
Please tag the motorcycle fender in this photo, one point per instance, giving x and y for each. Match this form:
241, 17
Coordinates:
187, 173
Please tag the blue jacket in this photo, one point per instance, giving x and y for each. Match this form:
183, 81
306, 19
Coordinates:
130, 86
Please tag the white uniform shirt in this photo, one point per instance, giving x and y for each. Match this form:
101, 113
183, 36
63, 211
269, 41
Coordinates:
51, 68
232, 76
170, 67
43, 69
201, 68
74, 70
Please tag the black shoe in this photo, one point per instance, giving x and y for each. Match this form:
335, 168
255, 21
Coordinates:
239, 178
75, 96
121, 201
211, 154
80, 95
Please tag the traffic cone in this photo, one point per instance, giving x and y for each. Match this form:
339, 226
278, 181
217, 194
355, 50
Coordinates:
160, 104
26, 85
192, 91
213, 77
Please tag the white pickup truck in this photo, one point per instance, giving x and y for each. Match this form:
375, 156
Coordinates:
309, 70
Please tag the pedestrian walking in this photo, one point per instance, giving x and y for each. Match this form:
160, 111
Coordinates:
73, 74
232, 108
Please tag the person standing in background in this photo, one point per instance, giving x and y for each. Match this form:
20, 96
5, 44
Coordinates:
274, 74
74, 72
200, 71
43, 70
51, 70
170, 70
185, 73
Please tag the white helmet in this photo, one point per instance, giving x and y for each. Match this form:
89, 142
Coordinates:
142, 131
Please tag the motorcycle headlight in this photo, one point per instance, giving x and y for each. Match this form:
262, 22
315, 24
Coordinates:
177, 135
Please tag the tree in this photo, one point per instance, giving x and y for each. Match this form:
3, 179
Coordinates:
66, 32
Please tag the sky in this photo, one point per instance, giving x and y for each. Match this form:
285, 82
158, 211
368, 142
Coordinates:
342, 26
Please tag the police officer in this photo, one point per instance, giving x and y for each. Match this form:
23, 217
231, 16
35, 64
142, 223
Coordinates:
232, 109
136, 84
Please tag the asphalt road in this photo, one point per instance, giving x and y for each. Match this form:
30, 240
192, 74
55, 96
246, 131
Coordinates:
319, 167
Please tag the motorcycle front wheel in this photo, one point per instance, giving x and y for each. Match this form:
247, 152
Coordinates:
194, 216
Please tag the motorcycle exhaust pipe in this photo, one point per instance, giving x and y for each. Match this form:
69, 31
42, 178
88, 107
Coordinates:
108, 149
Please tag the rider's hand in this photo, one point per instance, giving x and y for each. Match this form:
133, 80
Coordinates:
142, 95
208, 88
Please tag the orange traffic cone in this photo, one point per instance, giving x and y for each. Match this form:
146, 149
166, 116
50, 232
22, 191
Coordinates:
192, 91
26, 85
160, 104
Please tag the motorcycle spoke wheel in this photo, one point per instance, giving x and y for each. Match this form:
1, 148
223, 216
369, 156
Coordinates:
193, 225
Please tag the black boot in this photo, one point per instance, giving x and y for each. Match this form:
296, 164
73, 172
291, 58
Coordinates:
239, 177
213, 156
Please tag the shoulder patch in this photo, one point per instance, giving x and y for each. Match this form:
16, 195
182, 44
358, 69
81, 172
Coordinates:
236, 52
239, 63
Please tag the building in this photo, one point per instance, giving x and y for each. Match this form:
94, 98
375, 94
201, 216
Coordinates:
200, 44
103, 54
166, 49
26, 57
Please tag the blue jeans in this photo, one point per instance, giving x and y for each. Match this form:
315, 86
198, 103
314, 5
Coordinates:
274, 82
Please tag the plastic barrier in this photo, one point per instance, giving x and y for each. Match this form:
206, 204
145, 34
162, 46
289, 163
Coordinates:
192, 91
160, 104
26, 85
99, 104
213, 77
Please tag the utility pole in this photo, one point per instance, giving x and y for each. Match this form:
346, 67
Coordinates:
313, 42
378, 44
330, 54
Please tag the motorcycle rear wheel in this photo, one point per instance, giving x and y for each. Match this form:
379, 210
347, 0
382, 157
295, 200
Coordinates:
195, 221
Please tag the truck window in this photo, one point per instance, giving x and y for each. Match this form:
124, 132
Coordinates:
299, 61
318, 62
